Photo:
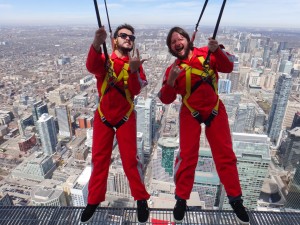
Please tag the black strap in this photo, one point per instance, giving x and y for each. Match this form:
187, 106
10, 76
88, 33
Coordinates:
117, 88
120, 123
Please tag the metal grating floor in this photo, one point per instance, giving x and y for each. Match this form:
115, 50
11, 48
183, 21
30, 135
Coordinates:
37, 215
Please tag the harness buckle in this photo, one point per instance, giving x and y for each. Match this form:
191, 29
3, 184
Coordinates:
214, 112
195, 114
125, 118
103, 119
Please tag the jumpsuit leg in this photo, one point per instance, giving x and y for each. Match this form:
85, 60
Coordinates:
126, 136
103, 137
187, 158
219, 138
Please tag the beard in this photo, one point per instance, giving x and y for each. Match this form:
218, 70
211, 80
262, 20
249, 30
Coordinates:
181, 57
125, 50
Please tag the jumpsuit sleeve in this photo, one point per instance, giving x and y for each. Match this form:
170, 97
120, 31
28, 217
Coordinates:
167, 93
223, 61
137, 81
95, 63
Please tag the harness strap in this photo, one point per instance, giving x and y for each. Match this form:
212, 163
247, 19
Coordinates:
205, 75
104, 89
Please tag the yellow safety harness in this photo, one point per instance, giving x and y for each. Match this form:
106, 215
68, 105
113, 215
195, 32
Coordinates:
207, 75
110, 80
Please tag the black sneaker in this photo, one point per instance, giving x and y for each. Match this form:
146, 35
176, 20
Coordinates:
88, 212
179, 210
142, 211
240, 212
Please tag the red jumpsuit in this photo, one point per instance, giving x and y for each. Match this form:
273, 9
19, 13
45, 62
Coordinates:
203, 99
114, 106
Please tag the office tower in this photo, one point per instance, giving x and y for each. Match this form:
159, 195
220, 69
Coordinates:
79, 191
234, 77
146, 121
25, 122
285, 66
163, 159
231, 102
207, 183
282, 46
244, 119
266, 54
224, 86
64, 121
140, 147
291, 108
280, 99
36, 167
293, 196
117, 183
253, 158
296, 120
288, 153
38, 108
267, 79
47, 131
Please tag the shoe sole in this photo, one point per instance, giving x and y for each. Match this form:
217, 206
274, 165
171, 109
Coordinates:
241, 222
177, 221
87, 222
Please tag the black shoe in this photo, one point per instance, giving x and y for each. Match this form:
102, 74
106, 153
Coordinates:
240, 212
142, 211
179, 210
88, 212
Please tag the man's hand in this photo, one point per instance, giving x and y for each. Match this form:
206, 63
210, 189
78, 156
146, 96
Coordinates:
99, 39
212, 45
174, 73
135, 62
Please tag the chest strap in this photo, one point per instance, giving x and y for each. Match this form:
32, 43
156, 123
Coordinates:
110, 81
207, 75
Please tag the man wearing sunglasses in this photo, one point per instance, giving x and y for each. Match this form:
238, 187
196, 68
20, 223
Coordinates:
119, 79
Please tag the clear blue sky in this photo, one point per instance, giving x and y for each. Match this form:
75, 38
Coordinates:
254, 13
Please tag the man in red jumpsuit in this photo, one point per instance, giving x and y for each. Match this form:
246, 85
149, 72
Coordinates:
117, 87
197, 84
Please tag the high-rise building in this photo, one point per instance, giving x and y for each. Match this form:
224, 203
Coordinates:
245, 118
117, 183
48, 134
293, 196
224, 86
253, 158
280, 99
140, 147
64, 121
25, 122
146, 121
79, 192
285, 66
163, 159
289, 149
38, 108
234, 77
296, 120
207, 182
291, 108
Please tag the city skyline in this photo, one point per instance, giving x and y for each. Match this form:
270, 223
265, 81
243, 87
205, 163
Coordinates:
152, 12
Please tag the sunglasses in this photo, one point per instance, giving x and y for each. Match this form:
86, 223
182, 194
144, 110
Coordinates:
124, 36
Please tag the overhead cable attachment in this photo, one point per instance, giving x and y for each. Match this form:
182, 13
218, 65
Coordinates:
207, 60
201, 14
